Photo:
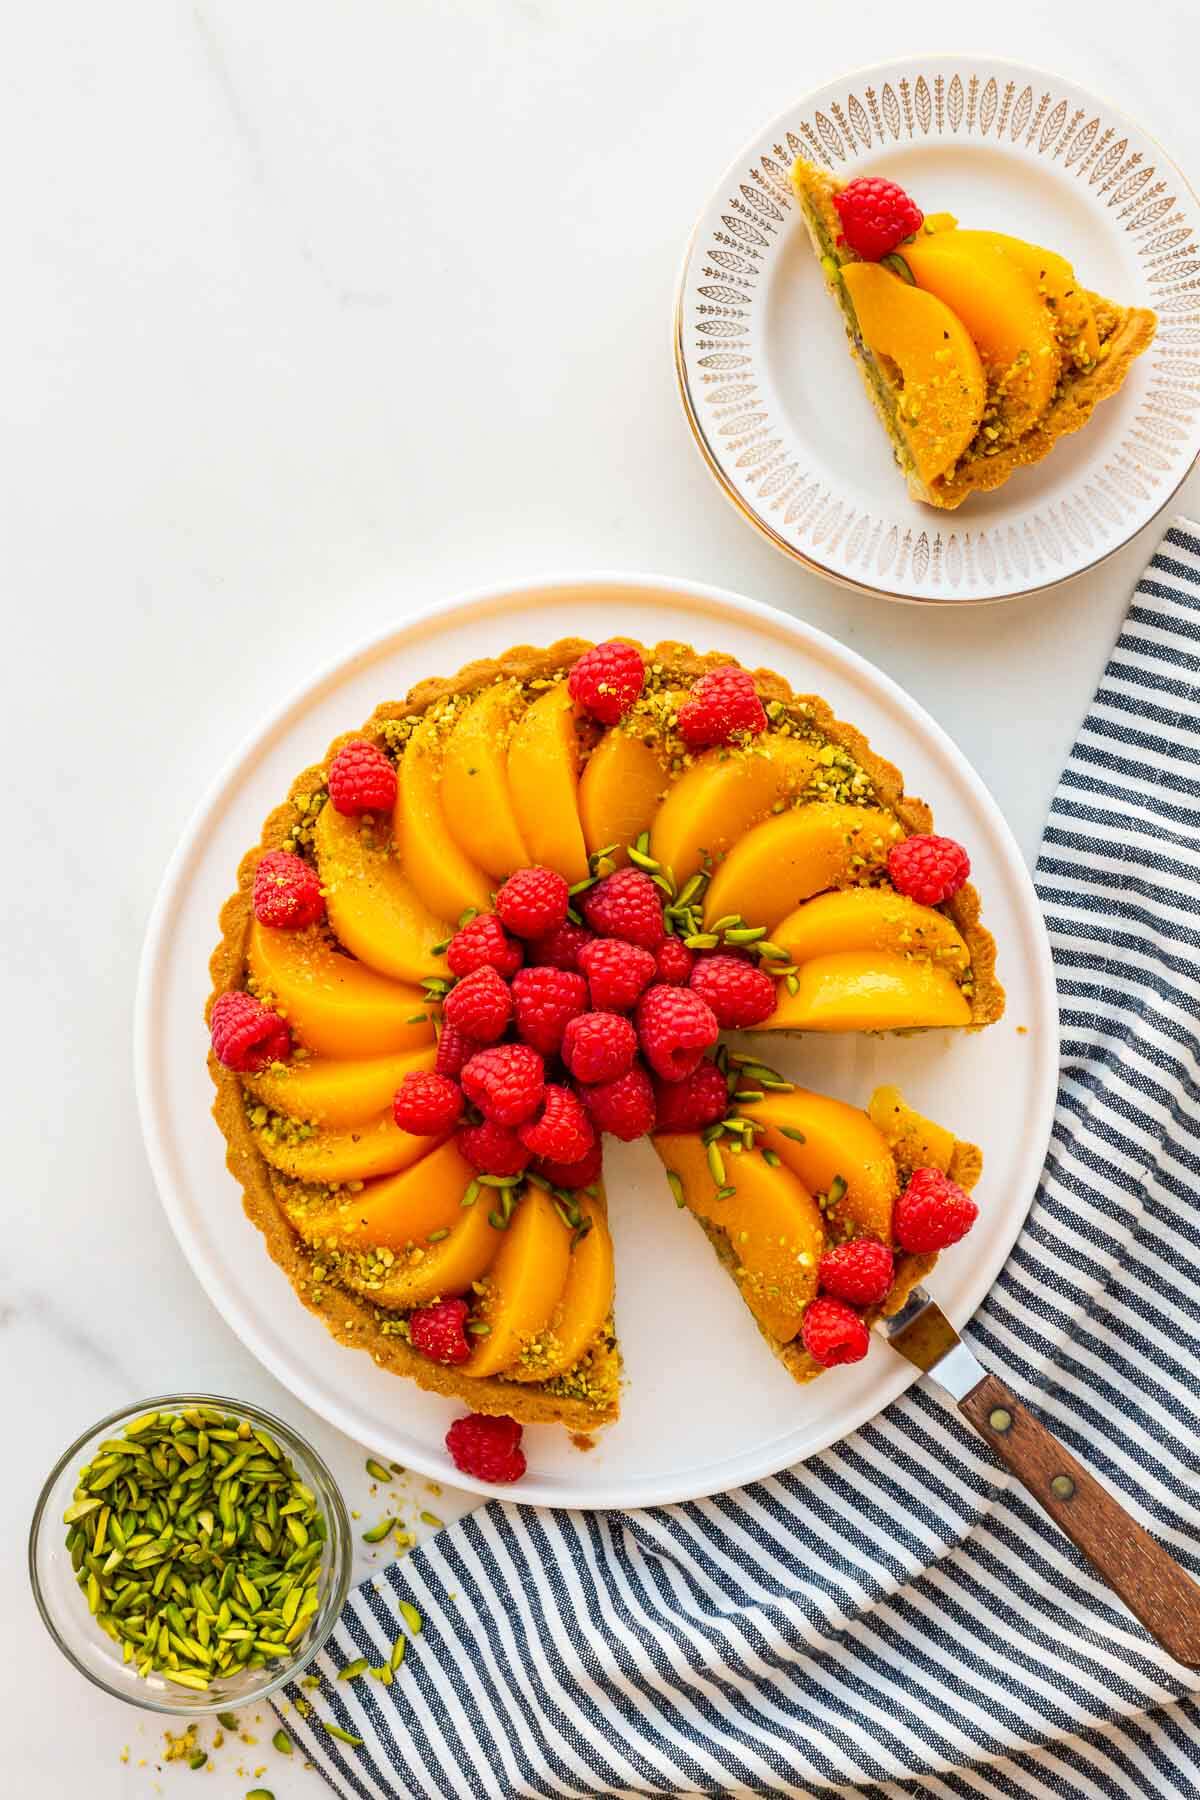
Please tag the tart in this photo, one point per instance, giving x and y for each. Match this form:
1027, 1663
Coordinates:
979, 350
515, 911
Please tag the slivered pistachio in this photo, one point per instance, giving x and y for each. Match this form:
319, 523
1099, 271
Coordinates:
726, 1193
598, 855
411, 1617
745, 934
398, 1649
726, 920
793, 983
282, 1742
770, 1157
470, 1194
435, 1237
676, 1187
498, 1221
789, 1131
581, 887
716, 1164
377, 1533
744, 1095
335, 1731
500, 1181
228, 1719
479, 1328
713, 1131
641, 860
702, 940
376, 1470
353, 1670
837, 1189
772, 952
440, 949
198, 1760
428, 1518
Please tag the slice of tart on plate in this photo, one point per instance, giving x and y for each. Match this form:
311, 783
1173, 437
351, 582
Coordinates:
516, 912
979, 350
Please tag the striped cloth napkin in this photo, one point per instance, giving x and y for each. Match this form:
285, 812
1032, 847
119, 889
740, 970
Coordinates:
893, 1617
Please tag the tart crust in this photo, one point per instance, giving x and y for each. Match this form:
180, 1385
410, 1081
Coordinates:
352, 1319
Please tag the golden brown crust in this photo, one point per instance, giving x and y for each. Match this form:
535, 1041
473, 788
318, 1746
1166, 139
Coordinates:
1080, 392
353, 1320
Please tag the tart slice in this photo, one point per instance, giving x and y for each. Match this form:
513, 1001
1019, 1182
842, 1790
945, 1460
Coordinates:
979, 350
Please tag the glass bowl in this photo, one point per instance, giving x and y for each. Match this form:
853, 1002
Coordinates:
64, 1607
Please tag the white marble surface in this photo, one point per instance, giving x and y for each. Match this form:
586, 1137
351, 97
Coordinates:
316, 313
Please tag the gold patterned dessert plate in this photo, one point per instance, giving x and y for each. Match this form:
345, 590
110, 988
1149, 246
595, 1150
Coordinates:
777, 407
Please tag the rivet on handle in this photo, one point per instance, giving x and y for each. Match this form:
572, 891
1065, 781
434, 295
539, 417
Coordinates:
1000, 1419
1062, 1487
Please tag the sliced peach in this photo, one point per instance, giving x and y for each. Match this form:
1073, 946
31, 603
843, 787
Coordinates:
1055, 279
721, 795
418, 1275
916, 1142
585, 1305
376, 1147
820, 1139
620, 791
795, 854
373, 906
446, 880
871, 919
475, 795
336, 1006
543, 776
999, 303
525, 1285
771, 1223
863, 990
335, 1092
943, 388
394, 1213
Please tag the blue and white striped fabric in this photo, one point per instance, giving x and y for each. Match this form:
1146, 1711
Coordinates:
894, 1618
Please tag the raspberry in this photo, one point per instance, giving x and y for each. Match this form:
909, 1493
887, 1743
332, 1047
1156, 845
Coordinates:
533, 902
607, 680
599, 1046
624, 1107
739, 994
427, 1104
492, 1149
700, 1099
562, 1129
484, 943
833, 1332
361, 779
560, 948
480, 1005
876, 215
437, 1331
544, 1003
932, 1213
287, 892
928, 869
505, 1082
245, 1036
859, 1271
626, 905
675, 962
675, 1027
453, 1049
616, 972
722, 706
489, 1449
575, 1174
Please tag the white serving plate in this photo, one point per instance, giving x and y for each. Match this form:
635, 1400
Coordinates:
706, 1407
778, 408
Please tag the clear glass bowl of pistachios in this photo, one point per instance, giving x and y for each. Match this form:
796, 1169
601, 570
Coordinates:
190, 1553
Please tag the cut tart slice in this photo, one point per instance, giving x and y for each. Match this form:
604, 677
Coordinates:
652, 840
979, 350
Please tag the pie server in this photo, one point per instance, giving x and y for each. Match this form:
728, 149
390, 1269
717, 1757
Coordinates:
1137, 1568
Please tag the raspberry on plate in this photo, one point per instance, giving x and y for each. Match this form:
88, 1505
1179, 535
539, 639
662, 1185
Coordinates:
675, 1027
480, 1005
560, 948
932, 1212
492, 1149
505, 1082
626, 905
533, 902
722, 705
607, 680
246, 1036
361, 779
859, 1271
929, 869
427, 1104
579, 1174
599, 1046
833, 1332
700, 1099
287, 892
545, 1001
616, 972
624, 1107
483, 943
675, 961
453, 1049
739, 994
438, 1332
876, 216
561, 1128
487, 1448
